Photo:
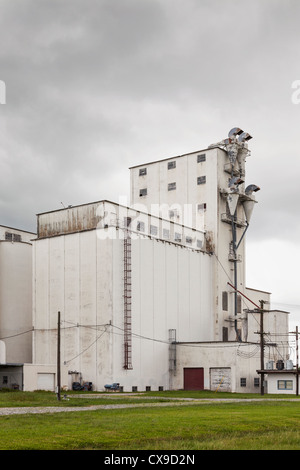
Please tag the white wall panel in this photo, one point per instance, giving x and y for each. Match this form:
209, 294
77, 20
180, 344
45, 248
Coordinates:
82, 275
16, 299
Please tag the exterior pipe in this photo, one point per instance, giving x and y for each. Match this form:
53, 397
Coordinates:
243, 235
243, 295
235, 248
233, 225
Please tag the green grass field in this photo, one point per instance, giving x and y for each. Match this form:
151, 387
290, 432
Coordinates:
261, 425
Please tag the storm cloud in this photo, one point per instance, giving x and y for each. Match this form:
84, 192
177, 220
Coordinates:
93, 87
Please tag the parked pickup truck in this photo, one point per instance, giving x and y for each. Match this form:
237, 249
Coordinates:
112, 387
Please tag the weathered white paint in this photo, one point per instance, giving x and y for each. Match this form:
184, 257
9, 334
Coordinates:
272, 382
237, 360
35, 377
5, 232
220, 379
2, 352
79, 271
209, 217
81, 275
16, 294
108, 216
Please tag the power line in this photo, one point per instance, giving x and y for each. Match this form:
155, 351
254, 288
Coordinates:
84, 350
17, 334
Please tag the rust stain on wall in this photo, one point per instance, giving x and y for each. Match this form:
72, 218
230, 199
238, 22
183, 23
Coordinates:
70, 220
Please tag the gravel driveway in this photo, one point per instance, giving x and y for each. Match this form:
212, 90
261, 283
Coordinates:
179, 402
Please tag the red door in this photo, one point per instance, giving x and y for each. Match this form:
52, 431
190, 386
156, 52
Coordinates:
193, 378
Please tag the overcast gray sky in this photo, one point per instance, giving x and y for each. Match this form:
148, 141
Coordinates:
96, 86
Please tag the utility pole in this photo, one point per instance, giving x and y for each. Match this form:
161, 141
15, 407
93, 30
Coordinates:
297, 360
297, 363
262, 347
58, 356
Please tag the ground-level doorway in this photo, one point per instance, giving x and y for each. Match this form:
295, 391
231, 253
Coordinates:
220, 379
193, 378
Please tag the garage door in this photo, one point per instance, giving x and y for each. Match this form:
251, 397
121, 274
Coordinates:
193, 378
220, 379
46, 382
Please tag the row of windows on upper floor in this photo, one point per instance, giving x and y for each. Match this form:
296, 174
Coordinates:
178, 237
172, 186
171, 165
13, 237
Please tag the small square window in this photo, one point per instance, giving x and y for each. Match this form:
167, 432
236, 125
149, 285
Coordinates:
140, 227
171, 186
201, 158
243, 382
8, 236
201, 180
189, 240
171, 165
202, 207
153, 230
284, 385
127, 221
143, 171
199, 244
177, 237
143, 192
166, 233
256, 381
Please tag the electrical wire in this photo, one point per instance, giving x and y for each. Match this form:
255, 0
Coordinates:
84, 350
222, 267
17, 334
136, 335
282, 343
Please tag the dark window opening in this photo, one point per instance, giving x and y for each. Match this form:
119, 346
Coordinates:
201, 180
225, 301
243, 382
239, 304
171, 165
201, 158
140, 227
143, 192
171, 186
127, 221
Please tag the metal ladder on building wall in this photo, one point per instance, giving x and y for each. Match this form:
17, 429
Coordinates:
127, 302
